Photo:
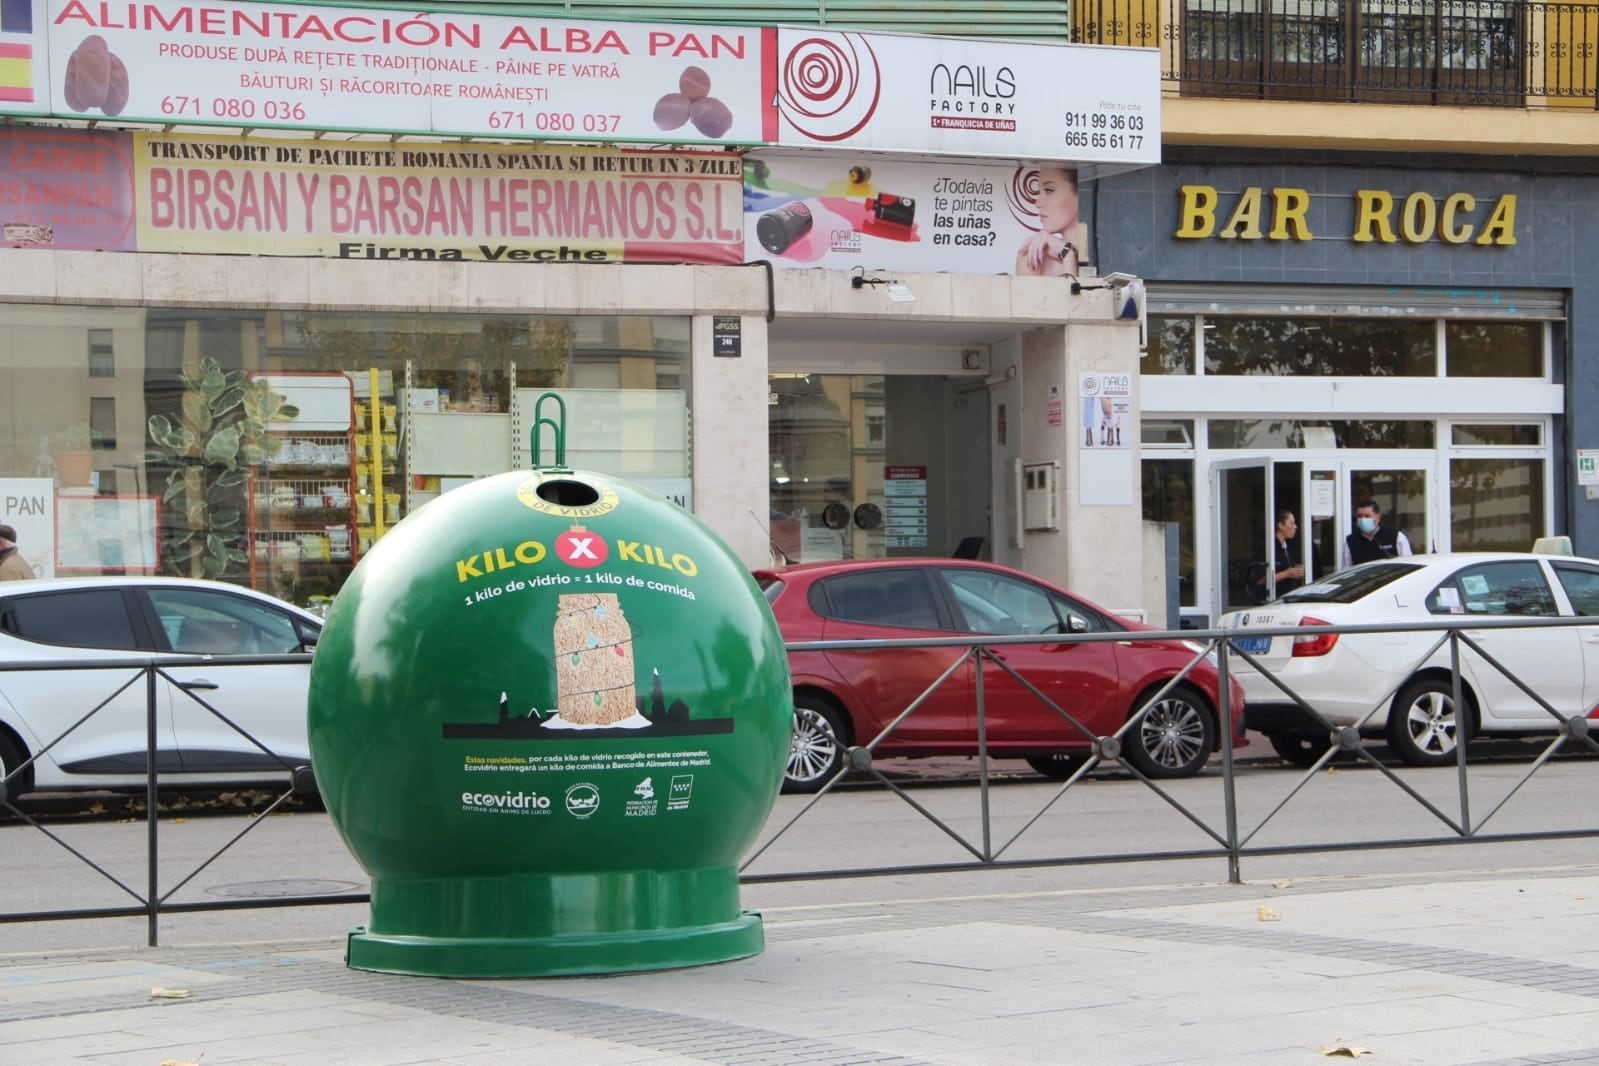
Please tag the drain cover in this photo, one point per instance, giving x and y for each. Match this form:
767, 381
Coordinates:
291, 887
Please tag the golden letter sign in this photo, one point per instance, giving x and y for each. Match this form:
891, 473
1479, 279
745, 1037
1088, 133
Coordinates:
1419, 219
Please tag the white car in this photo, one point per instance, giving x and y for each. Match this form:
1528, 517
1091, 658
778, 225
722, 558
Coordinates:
1349, 677
75, 620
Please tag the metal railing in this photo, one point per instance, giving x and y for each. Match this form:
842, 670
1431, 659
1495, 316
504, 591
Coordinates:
1229, 840
1495, 53
151, 902
1232, 842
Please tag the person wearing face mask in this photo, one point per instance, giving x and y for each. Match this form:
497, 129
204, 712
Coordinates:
1371, 540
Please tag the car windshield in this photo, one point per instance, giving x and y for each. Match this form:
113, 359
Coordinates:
1347, 586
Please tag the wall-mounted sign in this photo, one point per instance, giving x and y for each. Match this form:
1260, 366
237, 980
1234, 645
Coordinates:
304, 67
1587, 466
459, 73
947, 95
95, 190
1105, 472
835, 210
1282, 214
727, 337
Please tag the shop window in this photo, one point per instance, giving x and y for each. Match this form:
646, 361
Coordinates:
102, 356
1166, 433
629, 417
1496, 504
1171, 346
1494, 349
1320, 347
826, 438
1509, 434
103, 422
1273, 433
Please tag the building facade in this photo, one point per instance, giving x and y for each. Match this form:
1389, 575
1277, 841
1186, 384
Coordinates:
270, 345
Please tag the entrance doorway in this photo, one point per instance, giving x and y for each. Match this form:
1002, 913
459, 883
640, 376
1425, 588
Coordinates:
1248, 494
872, 465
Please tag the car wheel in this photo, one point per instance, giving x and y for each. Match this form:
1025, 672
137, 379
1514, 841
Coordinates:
1301, 749
1423, 726
817, 751
1057, 765
1175, 736
10, 758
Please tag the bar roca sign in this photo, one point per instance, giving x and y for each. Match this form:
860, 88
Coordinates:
1282, 213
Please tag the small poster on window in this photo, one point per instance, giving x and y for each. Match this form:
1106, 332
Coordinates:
107, 534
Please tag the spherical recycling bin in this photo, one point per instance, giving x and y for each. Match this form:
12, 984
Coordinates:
549, 713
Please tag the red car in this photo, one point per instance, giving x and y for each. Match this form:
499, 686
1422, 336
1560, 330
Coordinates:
844, 697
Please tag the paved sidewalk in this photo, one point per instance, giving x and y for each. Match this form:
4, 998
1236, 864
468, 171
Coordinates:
1492, 968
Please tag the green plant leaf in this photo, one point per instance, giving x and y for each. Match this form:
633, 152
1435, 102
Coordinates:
174, 490
214, 382
230, 398
252, 454
238, 556
287, 411
237, 476
223, 446
225, 517
160, 428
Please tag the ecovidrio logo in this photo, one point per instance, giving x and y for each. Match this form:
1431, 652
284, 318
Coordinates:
506, 802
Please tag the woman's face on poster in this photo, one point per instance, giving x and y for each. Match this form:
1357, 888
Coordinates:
1057, 201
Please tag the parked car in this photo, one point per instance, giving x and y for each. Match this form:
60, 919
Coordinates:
844, 698
1344, 675
73, 620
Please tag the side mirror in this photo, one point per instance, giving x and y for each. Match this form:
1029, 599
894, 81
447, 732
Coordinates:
1076, 623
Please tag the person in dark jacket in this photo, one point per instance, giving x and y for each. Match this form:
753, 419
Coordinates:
1287, 575
1371, 540
13, 567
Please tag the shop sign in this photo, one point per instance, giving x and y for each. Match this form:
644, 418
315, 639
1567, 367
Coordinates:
28, 505
839, 212
438, 202
901, 92
1281, 214
456, 73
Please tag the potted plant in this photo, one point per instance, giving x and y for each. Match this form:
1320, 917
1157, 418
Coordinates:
72, 447
210, 448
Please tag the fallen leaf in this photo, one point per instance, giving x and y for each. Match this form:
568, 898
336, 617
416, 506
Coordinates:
1345, 1051
178, 1062
1334, 770
1266, 914
179, 821
1283, 884
169, 993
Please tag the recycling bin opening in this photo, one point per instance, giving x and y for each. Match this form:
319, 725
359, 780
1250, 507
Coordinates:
549, 713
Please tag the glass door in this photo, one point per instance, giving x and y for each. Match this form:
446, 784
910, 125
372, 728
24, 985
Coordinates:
1242, 502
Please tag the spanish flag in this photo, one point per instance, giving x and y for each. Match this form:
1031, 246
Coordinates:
16, 57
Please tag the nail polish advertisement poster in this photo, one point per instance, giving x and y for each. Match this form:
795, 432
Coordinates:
1105, 438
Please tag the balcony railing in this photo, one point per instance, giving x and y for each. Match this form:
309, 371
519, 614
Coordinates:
1495, 53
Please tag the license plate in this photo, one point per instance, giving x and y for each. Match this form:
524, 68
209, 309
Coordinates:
1252, 645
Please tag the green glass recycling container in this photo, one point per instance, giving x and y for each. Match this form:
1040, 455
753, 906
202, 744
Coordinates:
549, 713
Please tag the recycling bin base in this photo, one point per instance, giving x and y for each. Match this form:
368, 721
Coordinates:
555, 925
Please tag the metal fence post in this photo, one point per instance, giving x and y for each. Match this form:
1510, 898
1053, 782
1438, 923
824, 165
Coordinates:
152, 899
1229, 781
1461, 726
